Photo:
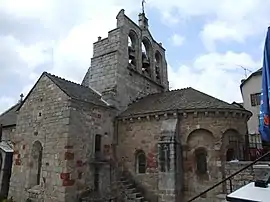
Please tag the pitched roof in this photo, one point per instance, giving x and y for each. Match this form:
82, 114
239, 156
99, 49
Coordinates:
9, 117
258, 72
183, 99
73, 90
77, 91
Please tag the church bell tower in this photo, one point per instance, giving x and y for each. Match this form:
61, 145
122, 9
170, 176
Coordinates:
129, 64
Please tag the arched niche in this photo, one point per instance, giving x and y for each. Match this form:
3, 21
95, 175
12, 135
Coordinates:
132, 48
140, 162
146, 56
35, 164
158, 66
200, 138
232, 145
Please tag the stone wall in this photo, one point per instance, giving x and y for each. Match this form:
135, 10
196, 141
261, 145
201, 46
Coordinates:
8, 133
44, 117
144, 135
86, 121
209, 131
260, 171
104, 64
110, 74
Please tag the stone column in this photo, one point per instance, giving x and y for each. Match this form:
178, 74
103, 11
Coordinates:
167, 179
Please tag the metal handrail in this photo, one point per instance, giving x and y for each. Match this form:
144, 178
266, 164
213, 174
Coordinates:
229, 177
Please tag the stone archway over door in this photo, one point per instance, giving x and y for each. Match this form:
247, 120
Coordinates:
36, 164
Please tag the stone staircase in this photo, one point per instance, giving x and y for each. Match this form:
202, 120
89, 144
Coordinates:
130, 191
122, 189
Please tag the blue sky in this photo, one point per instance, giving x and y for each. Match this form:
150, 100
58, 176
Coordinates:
206, 41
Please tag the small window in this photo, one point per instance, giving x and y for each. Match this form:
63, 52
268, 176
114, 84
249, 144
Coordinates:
201, 161
255, 99
140, 162
97, 143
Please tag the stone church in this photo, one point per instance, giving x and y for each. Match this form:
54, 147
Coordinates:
120, 135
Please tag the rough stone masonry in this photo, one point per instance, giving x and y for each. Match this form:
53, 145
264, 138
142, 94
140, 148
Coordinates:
67, 140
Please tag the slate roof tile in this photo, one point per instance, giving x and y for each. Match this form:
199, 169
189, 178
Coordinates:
77, 91
9, 117
183, 99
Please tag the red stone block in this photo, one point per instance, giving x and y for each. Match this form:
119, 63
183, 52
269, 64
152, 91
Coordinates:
79, 163
18, 162
68, 183
65, 176
69, 155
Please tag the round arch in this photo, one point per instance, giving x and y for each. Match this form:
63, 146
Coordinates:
132, 35
232, 145
148, 45
200, 138
140, 161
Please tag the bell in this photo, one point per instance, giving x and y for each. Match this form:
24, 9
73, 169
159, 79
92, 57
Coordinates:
131, 49
146, 61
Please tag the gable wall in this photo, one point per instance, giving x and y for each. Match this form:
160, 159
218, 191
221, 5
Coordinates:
51, 129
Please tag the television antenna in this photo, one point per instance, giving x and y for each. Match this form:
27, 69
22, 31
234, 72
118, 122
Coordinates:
242, 67
245, 69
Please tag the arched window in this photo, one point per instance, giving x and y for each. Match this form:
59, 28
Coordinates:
140, 161
158, 66
201, 161
132, 46
36, 164
146, 55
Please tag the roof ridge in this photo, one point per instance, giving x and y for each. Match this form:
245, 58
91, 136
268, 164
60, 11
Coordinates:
212, 96
58, 77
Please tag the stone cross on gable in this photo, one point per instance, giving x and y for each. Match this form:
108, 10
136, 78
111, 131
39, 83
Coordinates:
21, 96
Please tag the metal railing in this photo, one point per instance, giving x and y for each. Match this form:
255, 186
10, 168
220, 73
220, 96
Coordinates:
229, 178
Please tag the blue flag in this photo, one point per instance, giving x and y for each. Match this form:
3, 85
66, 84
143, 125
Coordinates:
265, 95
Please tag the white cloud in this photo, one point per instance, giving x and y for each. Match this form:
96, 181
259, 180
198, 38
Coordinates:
216, 74
74, 26
227, 19
6, 103
177, 40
